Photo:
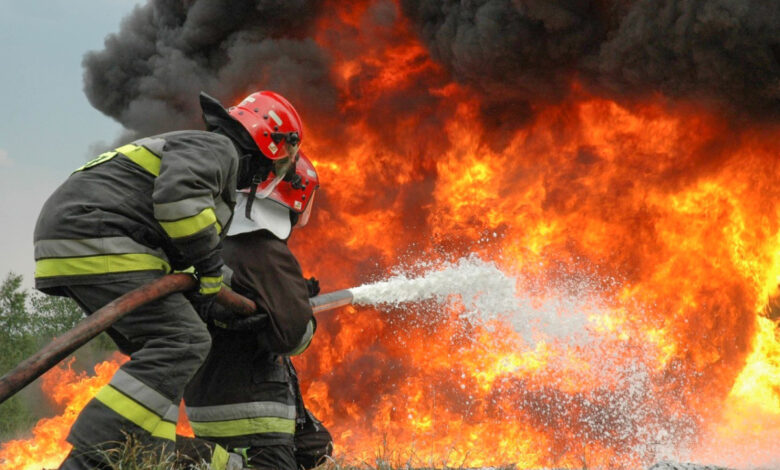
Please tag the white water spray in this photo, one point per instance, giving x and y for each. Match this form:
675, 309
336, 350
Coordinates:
479, 285
567, 319
487, 293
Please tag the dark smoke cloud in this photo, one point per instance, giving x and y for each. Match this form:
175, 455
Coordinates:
517, 55
725, 51
509, 48
721, 52
150, 73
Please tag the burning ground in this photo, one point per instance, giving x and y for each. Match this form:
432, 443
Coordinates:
616, 160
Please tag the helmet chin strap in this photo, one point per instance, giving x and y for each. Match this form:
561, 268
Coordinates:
248, 209
264, 193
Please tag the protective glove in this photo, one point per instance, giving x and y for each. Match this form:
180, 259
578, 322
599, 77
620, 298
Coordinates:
256, 322
227, 320
313, 286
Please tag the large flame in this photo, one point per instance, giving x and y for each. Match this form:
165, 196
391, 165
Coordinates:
657, 223
70, 391
653, 227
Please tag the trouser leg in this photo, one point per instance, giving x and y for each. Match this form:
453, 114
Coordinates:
313, 442
193, 453
80, 460
278, 457
169, 344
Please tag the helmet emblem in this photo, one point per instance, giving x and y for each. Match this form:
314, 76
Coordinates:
273, 148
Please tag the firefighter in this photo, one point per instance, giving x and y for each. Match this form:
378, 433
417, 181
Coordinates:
246, 396
132, 215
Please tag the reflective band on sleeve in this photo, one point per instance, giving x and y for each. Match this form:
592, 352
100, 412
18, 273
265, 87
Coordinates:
243, 427
235, 411
210, 284
190, 225
219, 458
139, 415
102, 264
64, 248
141, 157
181, 209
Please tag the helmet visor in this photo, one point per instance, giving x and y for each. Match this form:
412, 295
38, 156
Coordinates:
269, 188
284, 168
304, 219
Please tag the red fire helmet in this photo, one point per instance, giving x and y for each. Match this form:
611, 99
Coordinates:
273, 123
298, 193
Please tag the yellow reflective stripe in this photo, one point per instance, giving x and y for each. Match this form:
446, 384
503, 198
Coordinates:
219, 458
209, 290
141, 157
165, 430
103, 157
129, 409
243, 427
210, 284
101, 264
190, 225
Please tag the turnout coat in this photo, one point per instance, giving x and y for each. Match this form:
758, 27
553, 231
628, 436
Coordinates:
157, 204
246, 393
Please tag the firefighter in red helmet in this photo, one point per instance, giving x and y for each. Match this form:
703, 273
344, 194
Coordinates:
134, 214
246, 396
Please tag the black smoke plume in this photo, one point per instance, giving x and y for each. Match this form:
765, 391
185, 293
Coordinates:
150, 73
517, 55
722, 53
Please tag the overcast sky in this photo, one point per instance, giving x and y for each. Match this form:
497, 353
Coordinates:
48, 127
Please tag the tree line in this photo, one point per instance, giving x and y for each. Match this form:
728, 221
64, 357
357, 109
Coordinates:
28, 321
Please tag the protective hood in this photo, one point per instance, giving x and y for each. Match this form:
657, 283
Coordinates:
266, 215
251, 162
217, 119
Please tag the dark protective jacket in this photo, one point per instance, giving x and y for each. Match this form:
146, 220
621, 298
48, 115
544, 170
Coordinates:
158, 203
244, 394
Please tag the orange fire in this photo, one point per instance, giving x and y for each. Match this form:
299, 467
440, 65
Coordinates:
70, 391
648, 232
657, 222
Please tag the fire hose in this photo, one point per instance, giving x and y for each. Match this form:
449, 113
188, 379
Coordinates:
100, 320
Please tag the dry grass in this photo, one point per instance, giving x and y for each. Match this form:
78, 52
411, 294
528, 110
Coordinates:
338, 464
132, 455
